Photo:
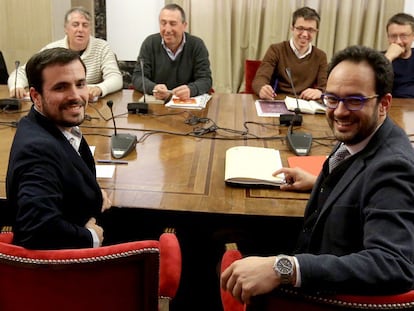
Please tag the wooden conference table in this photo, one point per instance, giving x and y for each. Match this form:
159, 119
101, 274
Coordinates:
186, 173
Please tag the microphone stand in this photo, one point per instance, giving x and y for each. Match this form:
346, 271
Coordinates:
141, 62
12, 103
139, 107
299, 143
122, 144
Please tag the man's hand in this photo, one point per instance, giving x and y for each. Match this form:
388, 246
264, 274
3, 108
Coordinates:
296, 179
19, 93
250, 276
182, 92
267, 92
106, 202
394, 51
311, 94
161, 91
94, 93
91, 224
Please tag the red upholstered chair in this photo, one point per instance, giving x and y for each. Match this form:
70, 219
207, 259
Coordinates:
291, 299
250, 68
126, 276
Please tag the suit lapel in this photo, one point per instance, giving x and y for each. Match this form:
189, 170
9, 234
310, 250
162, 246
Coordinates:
355, 168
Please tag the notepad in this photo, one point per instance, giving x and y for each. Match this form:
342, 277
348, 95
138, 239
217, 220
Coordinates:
271, 108
252, 166
305, 106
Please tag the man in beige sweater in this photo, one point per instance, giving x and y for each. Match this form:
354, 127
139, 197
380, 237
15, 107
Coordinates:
306, 63
103, 75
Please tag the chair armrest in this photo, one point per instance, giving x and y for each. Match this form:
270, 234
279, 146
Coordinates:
231, 254
170, 265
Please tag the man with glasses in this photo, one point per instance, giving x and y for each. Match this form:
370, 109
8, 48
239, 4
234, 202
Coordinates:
307, 63
358, 230
400, 32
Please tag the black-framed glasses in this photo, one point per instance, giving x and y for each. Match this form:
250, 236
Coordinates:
352, 103
301, 29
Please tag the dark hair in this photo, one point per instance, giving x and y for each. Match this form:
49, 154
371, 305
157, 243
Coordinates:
308, 14
401, 19
80, 10
38, 62
175, 7
384, 75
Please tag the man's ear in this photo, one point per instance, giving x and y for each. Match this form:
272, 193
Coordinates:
36, 98
385, 104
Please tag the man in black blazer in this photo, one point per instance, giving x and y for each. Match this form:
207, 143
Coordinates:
358, 231
51, 182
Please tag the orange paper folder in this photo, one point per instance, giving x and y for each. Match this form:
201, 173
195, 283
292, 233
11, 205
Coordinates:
311, 164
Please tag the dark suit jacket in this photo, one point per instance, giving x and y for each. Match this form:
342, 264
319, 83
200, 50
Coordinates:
50, 187
363, 238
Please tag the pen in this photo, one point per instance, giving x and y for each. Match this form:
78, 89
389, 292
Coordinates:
112, 161
275, 88
167, 91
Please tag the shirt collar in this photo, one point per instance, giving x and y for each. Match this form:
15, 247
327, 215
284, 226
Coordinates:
170, 53
73, 135
296, 51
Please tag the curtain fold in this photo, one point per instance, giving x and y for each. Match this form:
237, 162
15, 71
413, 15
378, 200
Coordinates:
236, 30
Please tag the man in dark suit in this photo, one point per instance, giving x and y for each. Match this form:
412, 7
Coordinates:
51, 182
358, 231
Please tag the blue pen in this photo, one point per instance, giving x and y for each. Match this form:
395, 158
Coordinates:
275, 87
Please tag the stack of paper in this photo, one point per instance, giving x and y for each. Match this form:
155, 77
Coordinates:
197, 102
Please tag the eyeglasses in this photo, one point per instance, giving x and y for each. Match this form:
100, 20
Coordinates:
301, 29
351, 103
403, 37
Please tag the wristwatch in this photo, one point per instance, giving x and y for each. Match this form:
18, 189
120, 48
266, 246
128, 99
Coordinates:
283, 267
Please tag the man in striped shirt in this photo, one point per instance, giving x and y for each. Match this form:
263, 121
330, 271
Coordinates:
102, 72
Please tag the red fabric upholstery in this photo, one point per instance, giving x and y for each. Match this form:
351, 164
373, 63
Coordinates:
250, 68
291, 299
117, 277
228, 301
170, 265
285, 300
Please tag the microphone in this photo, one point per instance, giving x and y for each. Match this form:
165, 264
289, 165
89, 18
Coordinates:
121, 144
16, 67
299, 143
141, 63
289, 73
296, 119
140, 107
12, 103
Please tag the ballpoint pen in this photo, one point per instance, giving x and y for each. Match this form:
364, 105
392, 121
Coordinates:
166, 91
112, 161
275, 87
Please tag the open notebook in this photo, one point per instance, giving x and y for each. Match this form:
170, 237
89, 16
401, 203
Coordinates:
252, 166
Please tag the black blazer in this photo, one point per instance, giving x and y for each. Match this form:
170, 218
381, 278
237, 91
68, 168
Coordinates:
51, 189
363, 238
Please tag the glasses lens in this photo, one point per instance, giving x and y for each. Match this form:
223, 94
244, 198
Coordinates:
301, 29
330, 101
353, 103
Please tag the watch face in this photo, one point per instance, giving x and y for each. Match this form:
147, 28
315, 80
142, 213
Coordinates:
284, 266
